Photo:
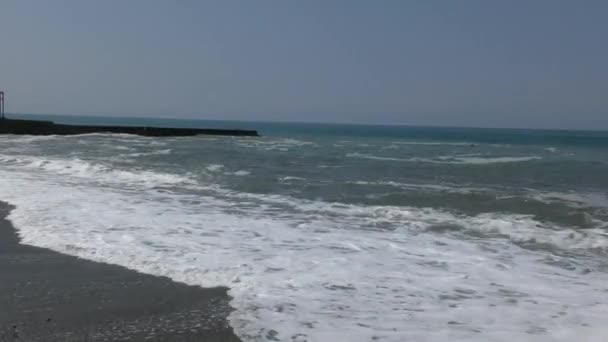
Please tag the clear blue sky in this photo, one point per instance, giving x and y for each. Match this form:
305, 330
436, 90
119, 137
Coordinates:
541, 63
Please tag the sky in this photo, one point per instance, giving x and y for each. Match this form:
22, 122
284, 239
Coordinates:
480, 63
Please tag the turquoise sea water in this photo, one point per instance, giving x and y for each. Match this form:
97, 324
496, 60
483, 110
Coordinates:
338, 232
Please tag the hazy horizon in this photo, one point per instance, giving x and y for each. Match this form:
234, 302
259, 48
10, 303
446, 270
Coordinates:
437, 63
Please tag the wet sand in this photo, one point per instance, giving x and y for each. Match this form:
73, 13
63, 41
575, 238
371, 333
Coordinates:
48, 296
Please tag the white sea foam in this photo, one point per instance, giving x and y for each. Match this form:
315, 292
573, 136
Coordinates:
152, 153
272, 144
290, 178
313, 270
373, 157
433, 143
106, 135
156, 143
239, 173
119, 147
24, 139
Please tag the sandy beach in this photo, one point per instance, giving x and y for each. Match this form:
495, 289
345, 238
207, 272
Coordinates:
48, 296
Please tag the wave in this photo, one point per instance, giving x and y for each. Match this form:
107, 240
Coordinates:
107, 135
302, 267
373, 157
414, 186
24, 139
308, 259
273, 144
462, 160
119, 147
239, 173
434, 143
94, 172
486, 160
285, 179
576, 199
214, 167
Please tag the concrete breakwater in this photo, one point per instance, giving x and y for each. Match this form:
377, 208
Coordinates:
36, 127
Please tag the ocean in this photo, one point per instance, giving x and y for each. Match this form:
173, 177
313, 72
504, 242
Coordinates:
338, 232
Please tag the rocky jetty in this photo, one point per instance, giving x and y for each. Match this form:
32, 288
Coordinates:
36, 127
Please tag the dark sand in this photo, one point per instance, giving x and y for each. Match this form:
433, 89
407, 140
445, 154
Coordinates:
48, 296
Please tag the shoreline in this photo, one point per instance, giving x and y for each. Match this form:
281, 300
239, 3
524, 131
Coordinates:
46, 295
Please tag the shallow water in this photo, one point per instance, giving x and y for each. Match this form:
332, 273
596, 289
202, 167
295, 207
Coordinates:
352, 233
